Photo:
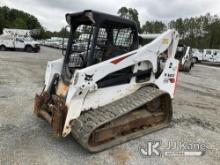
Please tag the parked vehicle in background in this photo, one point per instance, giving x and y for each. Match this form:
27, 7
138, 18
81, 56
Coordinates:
54, 42
64, 44
184, 55
8, 41
17, 32
196, 55
210, 55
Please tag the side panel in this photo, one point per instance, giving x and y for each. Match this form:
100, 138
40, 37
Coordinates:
7, 43
100, 98
168, 79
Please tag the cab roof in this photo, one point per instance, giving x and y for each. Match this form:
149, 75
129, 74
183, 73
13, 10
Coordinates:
90, 17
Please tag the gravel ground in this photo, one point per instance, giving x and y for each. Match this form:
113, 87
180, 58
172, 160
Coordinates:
26, 139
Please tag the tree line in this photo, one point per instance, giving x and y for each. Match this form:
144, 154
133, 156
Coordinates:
17, 19
12, 18
198, 32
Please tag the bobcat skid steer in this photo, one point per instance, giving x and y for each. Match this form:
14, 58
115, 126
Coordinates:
109, 91
184, 55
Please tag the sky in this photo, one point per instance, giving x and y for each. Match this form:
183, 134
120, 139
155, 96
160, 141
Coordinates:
51, 13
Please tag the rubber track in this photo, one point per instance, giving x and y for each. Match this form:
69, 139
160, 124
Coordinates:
92, 119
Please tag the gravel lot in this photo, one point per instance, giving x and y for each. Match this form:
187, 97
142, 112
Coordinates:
26, 139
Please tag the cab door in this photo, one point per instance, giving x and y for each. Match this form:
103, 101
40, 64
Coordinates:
19, 43
208, 56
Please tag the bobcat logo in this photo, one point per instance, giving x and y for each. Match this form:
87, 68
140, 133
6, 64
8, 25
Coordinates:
89, 77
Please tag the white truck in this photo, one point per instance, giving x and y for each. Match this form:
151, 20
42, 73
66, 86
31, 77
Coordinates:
8, 41
210, 55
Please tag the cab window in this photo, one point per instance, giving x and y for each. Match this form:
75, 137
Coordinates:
19, 40
208, 52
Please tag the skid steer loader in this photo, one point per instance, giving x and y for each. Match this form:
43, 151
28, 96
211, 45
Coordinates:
183, 54
110, 91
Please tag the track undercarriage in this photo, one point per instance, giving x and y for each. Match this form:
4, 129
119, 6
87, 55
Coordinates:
142, 112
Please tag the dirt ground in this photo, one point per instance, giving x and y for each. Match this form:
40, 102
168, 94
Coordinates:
26, 139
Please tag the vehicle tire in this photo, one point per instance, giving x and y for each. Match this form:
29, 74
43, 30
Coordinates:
2, 48
37, 51
187, 66
28, 48
192, 63
194, 60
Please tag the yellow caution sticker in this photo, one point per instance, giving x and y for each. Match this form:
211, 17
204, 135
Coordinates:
165, 41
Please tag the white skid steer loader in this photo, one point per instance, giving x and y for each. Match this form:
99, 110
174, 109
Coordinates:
183, 54
109, 91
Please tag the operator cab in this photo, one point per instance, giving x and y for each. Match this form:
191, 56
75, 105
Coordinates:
96, 37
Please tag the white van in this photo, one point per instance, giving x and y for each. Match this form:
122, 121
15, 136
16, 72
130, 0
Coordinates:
12, 42
210, 55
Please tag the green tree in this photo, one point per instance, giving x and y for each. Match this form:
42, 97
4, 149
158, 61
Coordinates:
153, 27
13, 18
131, 14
